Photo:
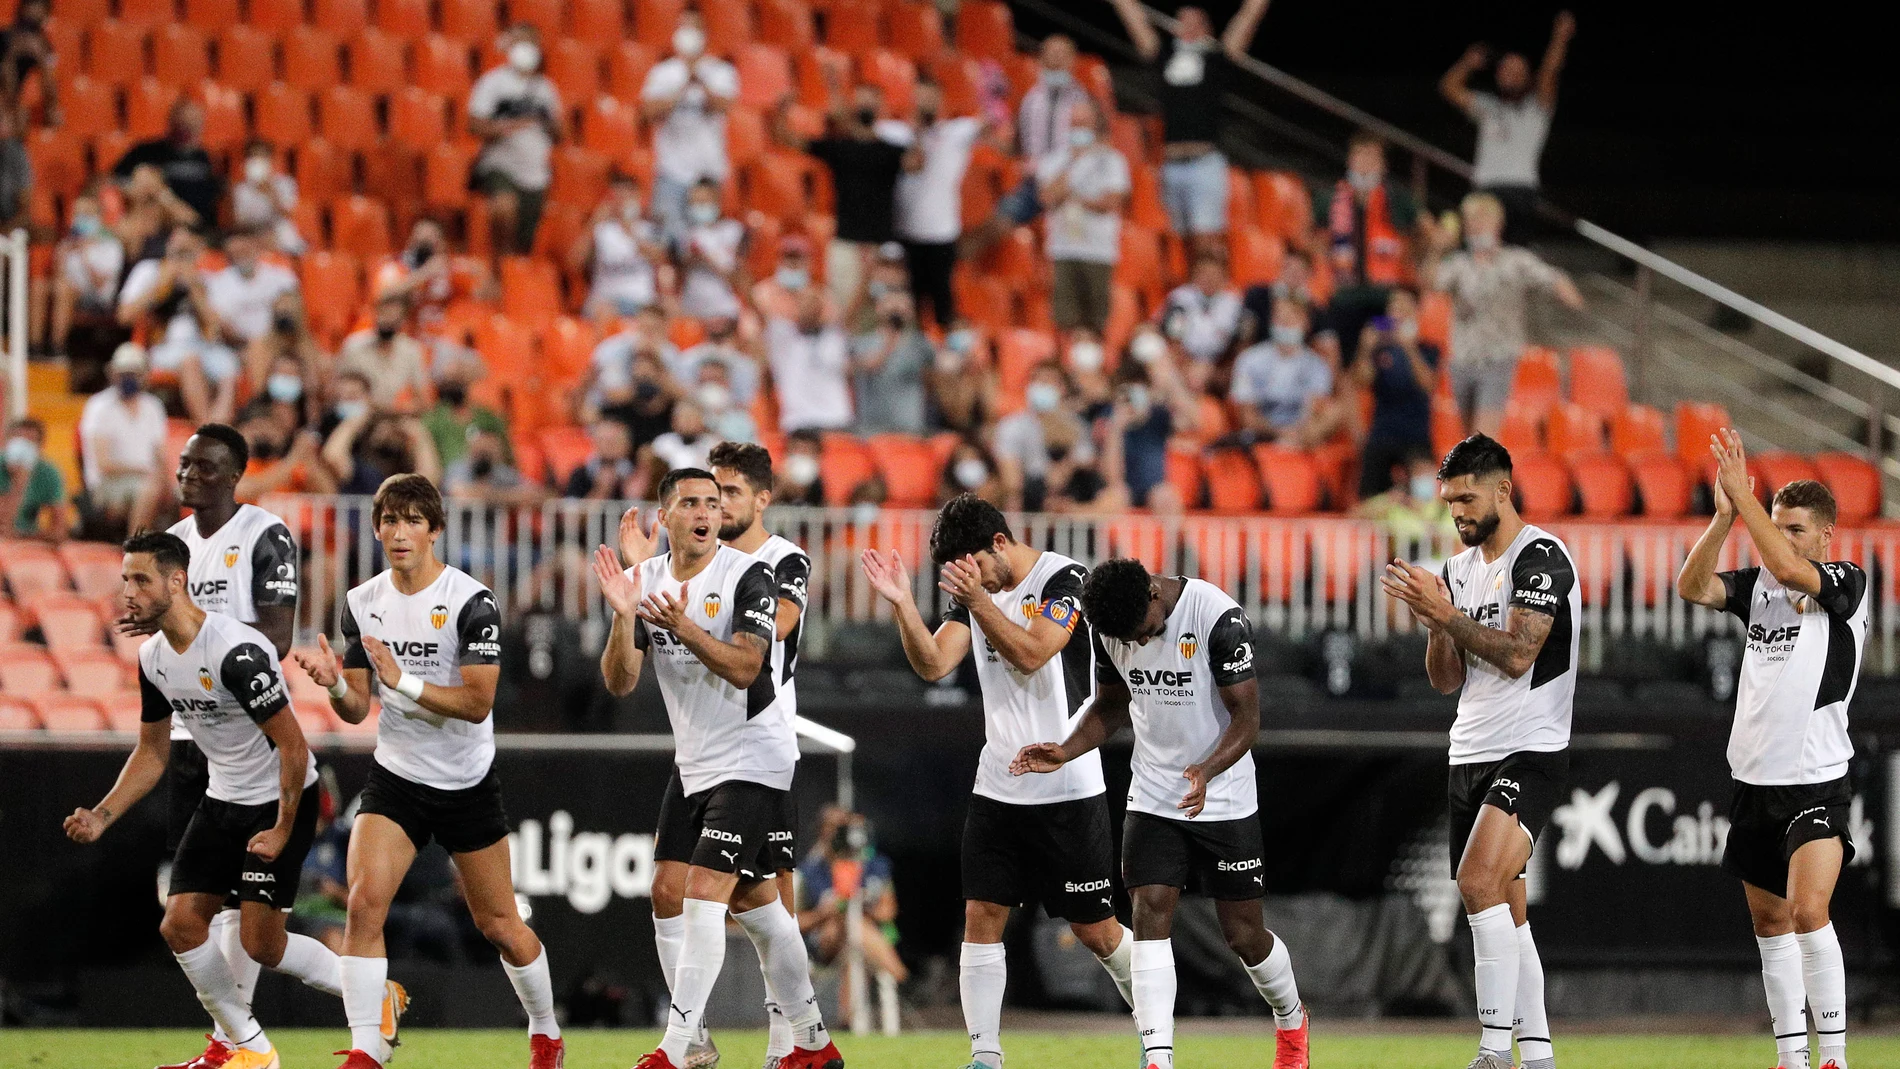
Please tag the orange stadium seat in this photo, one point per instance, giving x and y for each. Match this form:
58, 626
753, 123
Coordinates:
360, 226
654, 21
17, 715
1140, 265
580, 176
785, 23
332, 291
855, 27
1292, 479
1779, 468
417, 118
599, 21
69, 622
775, 185
27, 671
115, 52
1637, 429
180, 57
312, 59
1520, 432
1434, 319
892, 73
567, 348
378, 62
9, 622
728, 25
441, 65
94, 567
530, 290
323, 171
124, 711
1696, 423
985, 29
95, 672
148, 13
910, 469
346, 118
1603, 485
543, 15
69, 712
916, 28
1597, 381
1241, 200
1017, 354
344, 18
212, 16
1663, 483
610, 127
1254, 254
848, 463
627, 65
89, 107
1573, 430
406, 19
107, 150
961, 79
765, 74
275, 17
148, 107
1542, 484
745, 135
1233, 483
1855, 483
566, 449
445, 176
469, 20
1144, 197
225, 129
507, 343
574, 68
59, 159
1538, 382
1184, 474
247, 58
809, 68
29, 574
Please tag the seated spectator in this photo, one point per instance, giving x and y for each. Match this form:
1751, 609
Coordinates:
393, 362
778, 294
24, 49
122, 441
971, 469
1410, 507
823, 913
282, 463
888, 366
87, 268
288, 338
16, 173
684, 102
959, 388
168, 300
1202, 314
865, 162
716, 398
1367, 224
688, 445
266, 199
180, 156
810, 358
801, 474
484, 472
616, 251
348, 398
1400, 371
888, 273
516, 112
610, 372
430, 277
1083, 185
1043, 122
373, 445
152, 212
1085, 359
1296, 284
1151, 405
245, 293
32, 491
724, 346
609, 473
455, 419
1045, 453
1490, 285
711, 256
646, 409
291, 398
1282, 388
929, 206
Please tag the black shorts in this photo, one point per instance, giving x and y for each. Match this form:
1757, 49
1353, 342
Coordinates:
1768, 824
463, 821
214, 856
1527, 785
1060, 854
737, 826
1221, 859
187, 775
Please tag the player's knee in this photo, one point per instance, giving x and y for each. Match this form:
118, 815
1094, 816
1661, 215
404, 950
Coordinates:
367, 907
1481, 887
668, 899
1810, 916
1246, 937
499, 926
264, 945
182, 931
1101, 938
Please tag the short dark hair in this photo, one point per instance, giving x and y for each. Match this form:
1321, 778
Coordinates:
1476, 456
29, 423
1115, 597
408, 493
1810, 495
1364, 137
230, 438
671, 480
752, 461
168, 550
968, 524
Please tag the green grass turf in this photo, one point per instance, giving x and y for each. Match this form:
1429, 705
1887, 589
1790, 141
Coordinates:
423, 1049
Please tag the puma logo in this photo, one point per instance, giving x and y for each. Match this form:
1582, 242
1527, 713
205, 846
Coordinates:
674, 1006
729, 856
376, 616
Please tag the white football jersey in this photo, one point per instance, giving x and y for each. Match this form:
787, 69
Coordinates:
1018, 709
1798, 674
720, 732
791, 570
432, 633
1174, 682
221, 688
248, 562
1497, 715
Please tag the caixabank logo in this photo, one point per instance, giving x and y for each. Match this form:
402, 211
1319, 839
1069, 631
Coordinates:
1658, 828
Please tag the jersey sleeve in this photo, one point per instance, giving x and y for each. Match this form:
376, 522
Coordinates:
755, 600
274, 568
1230, 648
354, 656
957, 613
793, 572
479, 630
251, 675
1843, 585
152, 704
1740, 587
1105, 670
1062, 597
1542, 577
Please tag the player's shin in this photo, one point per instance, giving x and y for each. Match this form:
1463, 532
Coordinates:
983, 972
1494, 946
1787, 998
210, 977
668, 934
1825, 975
536, 992
1154, 986
1531, 1022
787, 967
313, 963
364, 983
702, 954
1120, 964
1273, 978
227, 933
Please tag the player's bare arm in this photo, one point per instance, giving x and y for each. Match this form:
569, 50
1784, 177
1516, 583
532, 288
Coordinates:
279, 624
1106, 715
1242, 700
932, 655
1777, 554
1024, 650
293, 759
1444, 665
737, 662
1512, 650
141, 773
786, 620
1697, 583
621, 661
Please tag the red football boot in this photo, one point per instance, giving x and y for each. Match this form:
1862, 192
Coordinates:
356, 1059
546, 1053
656, 1060
216, 1054
1289, 1044
800, 1058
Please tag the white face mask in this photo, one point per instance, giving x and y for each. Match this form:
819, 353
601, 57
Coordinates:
1081, 136
865, 513
1364, 181
22, 452
256, 170
524, 56
702, 213
1138, 400
801, 469
1407, 330
1043, 396
1147, 347
1481, 242
1287, 337
689, 41
1424, 487
1086, 356
971, 473
714, 398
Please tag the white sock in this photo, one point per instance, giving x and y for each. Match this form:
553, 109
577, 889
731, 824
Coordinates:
983, 972
1273, 978
536, 993
313, 963
1825, 975
778, 1030
1787, 997
228, 935
787, 968
668, 934
365, 981
702, 953
1151, 972
210, 976
1494, 945
1120, 964
1530, 1022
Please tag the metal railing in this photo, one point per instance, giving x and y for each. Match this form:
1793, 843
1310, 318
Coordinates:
1295, 577
14, 257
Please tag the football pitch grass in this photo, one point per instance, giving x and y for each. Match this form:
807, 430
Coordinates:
1332, 1049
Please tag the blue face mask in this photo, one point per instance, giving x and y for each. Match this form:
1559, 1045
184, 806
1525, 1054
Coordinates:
960, 341
284, 388
1424, 487
349, 410
792, 278
88, 226
129, 385
1043, 396
1287, 336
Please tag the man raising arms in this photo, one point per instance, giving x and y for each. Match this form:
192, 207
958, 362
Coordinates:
1510, 742
1807, 619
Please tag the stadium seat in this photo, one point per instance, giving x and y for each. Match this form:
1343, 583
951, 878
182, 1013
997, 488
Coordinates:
1573, 430
1434, 319
1855, 483
225, 129
378, 62
469, 20
506, 342
283, 118
332, 291
1255, 255
88, 106
123, 711
344, 18
445, 177
1603, 485
574, 68
530, 291
728, 25
599, 21
892, 73
346, 118
417, 118
58, 157
961, 79
1233, 483
1696, 423
847, 464
9, 622
312, 59
654, 21
809, 67
180, 57
17, 715
1597, 381
1663, 484
610, 127
1240, 187
985, 30
360, 226
1183, 472
1292, 480
1637, 429
1018, 351
580, 177
566, 449
69, 712
441, 65
27, 671
94, 568
855, 27
1144, 197
68, 622
1778, 468
765, 74
567, 348
543, 15
246, 58
916, 29
148, 108
1520, 432
785, 23
910, 469
1284, 206
29, 574
150, 14
95, 672
212, 16
1543, 485
115, 52
1139, 267
275, 17
1537, 385
407, 20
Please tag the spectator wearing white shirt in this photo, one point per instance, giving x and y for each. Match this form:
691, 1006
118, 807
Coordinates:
516, 112
1083, 185
711, 256
244, 293
87, 267
393, 363
811, 361
617, 251
725, 347
266, 198
725, 415
1202, 315
168, 298
684, 99
1512, 123
1282, 389
122, 441
688, 445
1042, 128
930, 201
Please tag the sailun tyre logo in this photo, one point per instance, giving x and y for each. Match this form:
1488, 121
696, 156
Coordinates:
712, 605
1190, 645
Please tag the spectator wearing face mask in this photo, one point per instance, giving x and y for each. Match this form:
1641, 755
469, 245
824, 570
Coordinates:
168, 300
1043, 122
266, 199
777, 293
348, 398
1284, 389
516, 112
810, 359
1295, 284
1194, 76
733, 351
282, 463
1045, 453
929, 204
800, 474
608, 473
888, 365
1151, 405
87, 266
1490, 285
611, 373
288, 398
688, 444
865, 159
1367, 224
647, 407
182, 162
122, 442
1083, 185
959, 387
725, 416
456, 419
485, 472
1400, 371
617, 251
429, 277
684, 100
1410, 507
1087, 361
971, 469
1512, 123
32, 492
244, 294
1202, 314
710, 251
371, 445
288, 339
393, 363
